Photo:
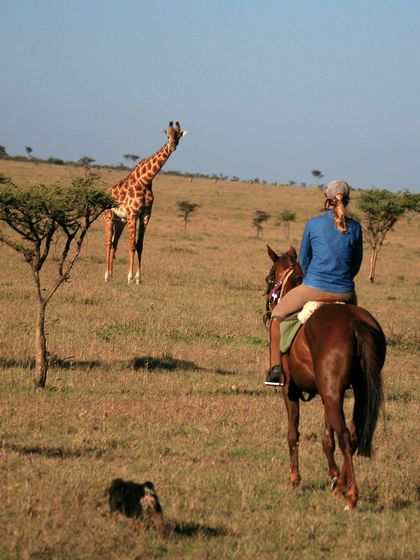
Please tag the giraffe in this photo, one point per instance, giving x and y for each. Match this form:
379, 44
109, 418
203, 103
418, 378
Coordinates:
134, 200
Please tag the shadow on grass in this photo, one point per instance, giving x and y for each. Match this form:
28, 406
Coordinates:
53, 362
26, 363
399, 504
147, 363
373, 500
151, 363
188, 530
236, 391
67, 363
315, 486
54, 452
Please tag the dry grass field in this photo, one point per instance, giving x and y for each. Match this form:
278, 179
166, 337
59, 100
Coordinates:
164, 382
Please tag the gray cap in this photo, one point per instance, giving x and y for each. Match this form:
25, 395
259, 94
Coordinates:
337, 187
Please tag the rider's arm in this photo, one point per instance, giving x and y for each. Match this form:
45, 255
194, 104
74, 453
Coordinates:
358, 250
305, 252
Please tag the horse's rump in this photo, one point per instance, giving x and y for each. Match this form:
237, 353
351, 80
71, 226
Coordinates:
347, 341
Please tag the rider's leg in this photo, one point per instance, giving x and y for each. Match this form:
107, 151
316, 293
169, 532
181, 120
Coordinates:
275, 375
288, 304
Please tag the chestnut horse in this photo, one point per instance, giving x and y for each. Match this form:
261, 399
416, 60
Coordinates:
338, 347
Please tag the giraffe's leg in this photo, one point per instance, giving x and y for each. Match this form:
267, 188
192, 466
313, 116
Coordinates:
114, 228
109, 230
132, 225
118, 228
144, 220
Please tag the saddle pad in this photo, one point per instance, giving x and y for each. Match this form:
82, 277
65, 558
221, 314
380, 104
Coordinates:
308, 309
288, 329
312, 306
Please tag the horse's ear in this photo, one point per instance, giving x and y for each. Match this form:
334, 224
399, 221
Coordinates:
272, 254
292, 254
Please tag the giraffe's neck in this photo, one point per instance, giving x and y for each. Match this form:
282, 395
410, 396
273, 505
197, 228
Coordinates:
147, 169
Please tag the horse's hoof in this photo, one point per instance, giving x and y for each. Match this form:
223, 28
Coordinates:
295, 482
333, 483
349, 506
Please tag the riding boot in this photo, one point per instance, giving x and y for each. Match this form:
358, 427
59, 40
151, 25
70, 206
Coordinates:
275, 375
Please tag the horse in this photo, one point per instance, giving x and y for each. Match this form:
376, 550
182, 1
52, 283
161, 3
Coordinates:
338, 347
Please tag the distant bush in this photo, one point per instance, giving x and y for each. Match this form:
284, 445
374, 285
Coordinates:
55, 161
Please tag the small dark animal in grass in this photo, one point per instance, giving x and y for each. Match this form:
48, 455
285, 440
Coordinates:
136, 500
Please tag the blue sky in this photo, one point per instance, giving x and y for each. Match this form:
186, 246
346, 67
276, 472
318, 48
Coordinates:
269, 89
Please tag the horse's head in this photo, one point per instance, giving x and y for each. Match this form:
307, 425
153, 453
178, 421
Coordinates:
285, 274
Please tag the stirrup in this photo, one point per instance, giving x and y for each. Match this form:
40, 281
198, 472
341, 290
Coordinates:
275, 377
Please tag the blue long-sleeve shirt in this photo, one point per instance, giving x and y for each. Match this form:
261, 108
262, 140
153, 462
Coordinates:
331, 259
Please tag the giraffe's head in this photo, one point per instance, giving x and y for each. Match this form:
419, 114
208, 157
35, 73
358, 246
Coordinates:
174, 135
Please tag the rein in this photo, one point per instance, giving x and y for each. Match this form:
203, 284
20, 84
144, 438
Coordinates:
275, 291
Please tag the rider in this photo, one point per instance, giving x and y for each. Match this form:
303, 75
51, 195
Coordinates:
330, 257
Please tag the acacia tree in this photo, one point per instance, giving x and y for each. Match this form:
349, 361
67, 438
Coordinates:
381, 210
186, 209
284, 219
36, 216
86, 161
260, 217
131, 157
318, 175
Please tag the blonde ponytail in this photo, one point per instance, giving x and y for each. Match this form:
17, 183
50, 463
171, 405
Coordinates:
340, 214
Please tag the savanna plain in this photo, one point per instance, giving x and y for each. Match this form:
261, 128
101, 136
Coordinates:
164, 382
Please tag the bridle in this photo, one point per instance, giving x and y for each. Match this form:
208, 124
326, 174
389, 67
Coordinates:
275, 290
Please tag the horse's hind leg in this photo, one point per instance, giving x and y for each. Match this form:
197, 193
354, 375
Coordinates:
353, 438
346, 482
293, 437
328, 445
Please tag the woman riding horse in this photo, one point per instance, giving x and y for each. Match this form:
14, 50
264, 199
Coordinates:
330, 257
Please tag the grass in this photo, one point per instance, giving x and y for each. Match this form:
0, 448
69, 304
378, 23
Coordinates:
163, 382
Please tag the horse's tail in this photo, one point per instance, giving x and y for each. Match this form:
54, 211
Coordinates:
368, 393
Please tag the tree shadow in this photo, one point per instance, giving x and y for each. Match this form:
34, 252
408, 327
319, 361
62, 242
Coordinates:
167, 363
26, 363
53, 362
190, 529
54, 452
68, 363
151, 363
